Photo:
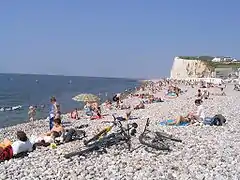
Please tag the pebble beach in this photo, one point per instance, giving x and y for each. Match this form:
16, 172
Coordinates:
207, 152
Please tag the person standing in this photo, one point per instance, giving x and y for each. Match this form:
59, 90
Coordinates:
54, 109
31, 113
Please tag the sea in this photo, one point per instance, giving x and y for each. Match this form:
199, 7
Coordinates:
25, 90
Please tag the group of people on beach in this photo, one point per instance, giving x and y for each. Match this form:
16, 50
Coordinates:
92, 110
23, 144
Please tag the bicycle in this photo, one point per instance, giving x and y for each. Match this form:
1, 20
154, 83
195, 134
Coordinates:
103, 140
158, 140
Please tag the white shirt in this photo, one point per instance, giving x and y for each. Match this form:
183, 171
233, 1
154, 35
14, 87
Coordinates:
200, 112
20, 146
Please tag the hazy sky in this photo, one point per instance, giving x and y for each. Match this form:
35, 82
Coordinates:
124, 38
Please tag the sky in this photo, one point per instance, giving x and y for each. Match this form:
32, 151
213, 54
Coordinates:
110, 38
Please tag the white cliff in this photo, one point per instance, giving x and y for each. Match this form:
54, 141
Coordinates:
184, 68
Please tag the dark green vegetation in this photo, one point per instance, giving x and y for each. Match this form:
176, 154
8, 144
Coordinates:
212, 65
201, 58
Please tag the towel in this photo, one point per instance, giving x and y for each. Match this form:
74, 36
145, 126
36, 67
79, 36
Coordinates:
165, 123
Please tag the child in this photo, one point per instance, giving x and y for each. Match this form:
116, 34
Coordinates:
31, 114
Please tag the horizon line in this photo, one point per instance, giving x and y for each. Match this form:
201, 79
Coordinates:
111, 77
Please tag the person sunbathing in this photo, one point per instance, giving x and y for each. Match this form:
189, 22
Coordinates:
139, 106
57, 127
108, 104
57, 130
49, 137
96, 114
191, 118
205, 94
21, 145
124, 106
127, 117
157, 99
74, 114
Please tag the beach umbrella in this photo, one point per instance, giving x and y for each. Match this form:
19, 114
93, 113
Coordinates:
86, 98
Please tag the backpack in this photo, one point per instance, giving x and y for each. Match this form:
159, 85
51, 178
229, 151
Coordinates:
219, 120
208, 121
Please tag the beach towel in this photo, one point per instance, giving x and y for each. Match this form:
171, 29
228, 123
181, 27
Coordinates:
6, 153
96, 117
171, 96
165, 123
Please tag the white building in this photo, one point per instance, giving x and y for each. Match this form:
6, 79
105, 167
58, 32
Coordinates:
224, 59
217, 59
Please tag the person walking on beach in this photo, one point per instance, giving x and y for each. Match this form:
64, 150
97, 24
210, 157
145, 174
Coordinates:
54, 110
31, 113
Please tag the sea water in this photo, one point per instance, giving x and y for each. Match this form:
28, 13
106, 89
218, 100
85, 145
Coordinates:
25, 90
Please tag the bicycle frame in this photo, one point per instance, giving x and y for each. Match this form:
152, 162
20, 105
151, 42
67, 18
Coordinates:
158, 141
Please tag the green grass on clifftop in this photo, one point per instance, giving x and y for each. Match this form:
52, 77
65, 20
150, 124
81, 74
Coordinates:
208, 61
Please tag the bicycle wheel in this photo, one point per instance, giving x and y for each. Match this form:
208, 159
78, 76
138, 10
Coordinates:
162, 135
153, 143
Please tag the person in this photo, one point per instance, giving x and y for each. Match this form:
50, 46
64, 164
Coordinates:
116, 98
127, 116
9, 149
222, 92
57, 127
197, 116
88, 109
31, 113
53, 111
58, 112
74, 114
49, 137
206, 94
22, 144
139, 106
97, 113
199, 93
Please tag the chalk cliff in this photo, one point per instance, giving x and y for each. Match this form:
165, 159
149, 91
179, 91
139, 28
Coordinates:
185, 68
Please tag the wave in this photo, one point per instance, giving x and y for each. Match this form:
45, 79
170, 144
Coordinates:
13, 108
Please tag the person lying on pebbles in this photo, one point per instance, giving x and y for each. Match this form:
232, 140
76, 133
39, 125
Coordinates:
191, 118
139, 106
50, 136
97, 113
127, 116
108, 104
124, 105
21, 145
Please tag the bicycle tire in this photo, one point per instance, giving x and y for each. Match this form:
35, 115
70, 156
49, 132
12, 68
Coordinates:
167, 136
158, 145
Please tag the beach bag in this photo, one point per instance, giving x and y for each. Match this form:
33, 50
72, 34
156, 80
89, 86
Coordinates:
73, 134
208, 121
219, 120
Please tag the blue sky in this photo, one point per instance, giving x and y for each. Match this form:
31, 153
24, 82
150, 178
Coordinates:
127, 38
